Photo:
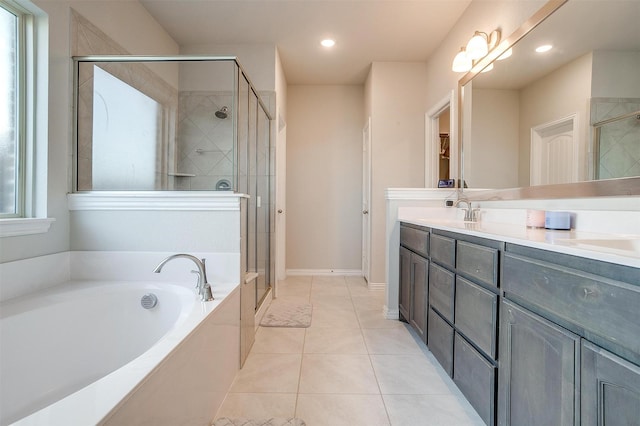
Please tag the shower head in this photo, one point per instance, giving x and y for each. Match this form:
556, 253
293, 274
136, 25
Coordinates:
222, 113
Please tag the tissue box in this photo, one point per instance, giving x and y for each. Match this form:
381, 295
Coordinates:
557, 220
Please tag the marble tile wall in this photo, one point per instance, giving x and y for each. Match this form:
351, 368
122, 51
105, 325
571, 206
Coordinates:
205, 142
619, 142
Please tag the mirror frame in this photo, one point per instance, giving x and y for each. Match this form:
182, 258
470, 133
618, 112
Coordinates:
593, 188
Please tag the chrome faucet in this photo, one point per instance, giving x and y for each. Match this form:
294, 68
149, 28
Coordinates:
204, 288
470, 214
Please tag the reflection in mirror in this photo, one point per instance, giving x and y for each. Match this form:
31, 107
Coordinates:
532, 120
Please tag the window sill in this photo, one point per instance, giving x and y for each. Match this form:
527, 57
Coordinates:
22, 226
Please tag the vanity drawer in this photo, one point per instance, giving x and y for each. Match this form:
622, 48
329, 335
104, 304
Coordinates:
443, 250
415, 239
601, 309
442, 290
476, 378
476, 315
440, 341
478, 262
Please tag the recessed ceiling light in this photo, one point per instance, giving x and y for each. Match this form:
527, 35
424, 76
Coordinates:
328, 42
544, 48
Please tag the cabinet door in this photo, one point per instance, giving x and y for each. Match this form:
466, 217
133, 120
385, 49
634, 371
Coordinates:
419, 288
440, 341
476, 378
442, 291
539, 364
476, 315
404, 296
610, 388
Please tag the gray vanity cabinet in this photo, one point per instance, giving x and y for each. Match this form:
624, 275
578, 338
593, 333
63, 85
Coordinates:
610, 388
414, 277
539, 366
441, 341
463, 315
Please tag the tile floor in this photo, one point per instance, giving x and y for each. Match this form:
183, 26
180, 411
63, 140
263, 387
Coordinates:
351, 367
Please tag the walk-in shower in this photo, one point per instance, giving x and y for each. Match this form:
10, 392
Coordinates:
617, 146
180, 123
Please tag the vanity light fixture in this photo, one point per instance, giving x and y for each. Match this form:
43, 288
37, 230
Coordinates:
477, 48
328, 42
461, 63
544, 48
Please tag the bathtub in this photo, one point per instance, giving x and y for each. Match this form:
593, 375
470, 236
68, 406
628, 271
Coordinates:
85, 353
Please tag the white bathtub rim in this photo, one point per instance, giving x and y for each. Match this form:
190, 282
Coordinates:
83, 407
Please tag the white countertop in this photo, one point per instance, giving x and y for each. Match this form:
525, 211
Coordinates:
578, 243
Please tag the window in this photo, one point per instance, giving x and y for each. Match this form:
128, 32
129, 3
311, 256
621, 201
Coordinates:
23, 118
11, 90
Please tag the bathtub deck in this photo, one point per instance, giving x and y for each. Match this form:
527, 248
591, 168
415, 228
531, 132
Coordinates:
351, 367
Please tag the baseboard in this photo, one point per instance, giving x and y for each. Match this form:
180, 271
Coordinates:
350, 272
376, 286
392, 314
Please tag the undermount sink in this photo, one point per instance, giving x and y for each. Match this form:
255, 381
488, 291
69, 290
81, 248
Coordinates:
628, 245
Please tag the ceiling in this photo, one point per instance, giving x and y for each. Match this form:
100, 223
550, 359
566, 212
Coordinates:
364, 30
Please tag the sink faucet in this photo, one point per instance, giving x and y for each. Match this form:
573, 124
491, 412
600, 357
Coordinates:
204, 288
469, 213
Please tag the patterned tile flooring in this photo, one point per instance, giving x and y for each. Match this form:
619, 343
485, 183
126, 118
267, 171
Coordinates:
351, 367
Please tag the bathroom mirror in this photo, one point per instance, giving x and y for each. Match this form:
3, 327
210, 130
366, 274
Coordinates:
527, 125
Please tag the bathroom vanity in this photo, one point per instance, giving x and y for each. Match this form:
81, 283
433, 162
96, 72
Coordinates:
531, 328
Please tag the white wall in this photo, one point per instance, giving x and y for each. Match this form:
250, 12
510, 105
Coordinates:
324, 177
132, 27
493, 140
396, 101
258, 61
615, 74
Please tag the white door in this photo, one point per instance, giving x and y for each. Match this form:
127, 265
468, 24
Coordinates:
554, 152
366, 192
281, 189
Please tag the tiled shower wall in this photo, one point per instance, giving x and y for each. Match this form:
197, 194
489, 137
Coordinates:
205, 142
619, 145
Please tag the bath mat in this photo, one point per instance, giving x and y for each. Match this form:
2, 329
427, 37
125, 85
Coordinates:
225, 421
287, 315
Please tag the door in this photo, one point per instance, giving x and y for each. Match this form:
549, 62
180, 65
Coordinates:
404, 288
610, 388
418, 295
366, 195
280, 214
554, 152
539, 367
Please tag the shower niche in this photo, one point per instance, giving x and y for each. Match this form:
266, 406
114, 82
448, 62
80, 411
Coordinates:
183, 123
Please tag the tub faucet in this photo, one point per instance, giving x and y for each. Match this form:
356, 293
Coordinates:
204, 288
469, 213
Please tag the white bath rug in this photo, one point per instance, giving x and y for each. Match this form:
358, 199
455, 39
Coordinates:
287, 315
225, 421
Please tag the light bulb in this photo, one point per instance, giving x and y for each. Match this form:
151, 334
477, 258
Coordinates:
477, 47
461, 63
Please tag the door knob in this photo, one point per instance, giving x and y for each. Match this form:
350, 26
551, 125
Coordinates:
365, 211
279, 210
